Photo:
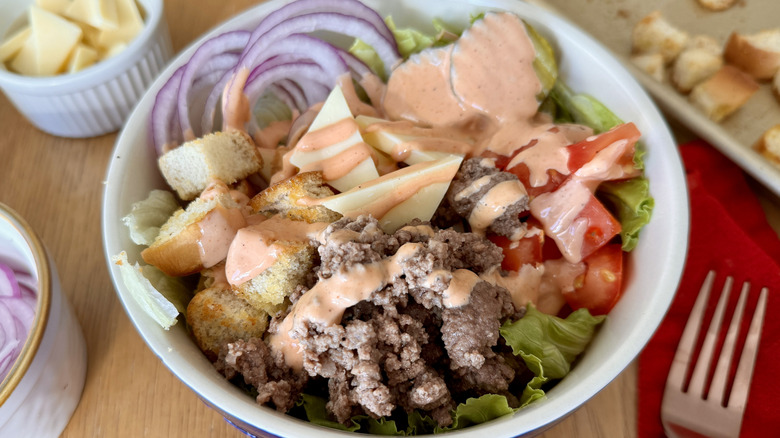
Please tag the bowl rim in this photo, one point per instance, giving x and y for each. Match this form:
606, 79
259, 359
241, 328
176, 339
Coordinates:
87, 78
541, 416
43, 305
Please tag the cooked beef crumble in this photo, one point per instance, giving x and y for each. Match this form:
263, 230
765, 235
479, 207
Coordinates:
472, 170
402, 347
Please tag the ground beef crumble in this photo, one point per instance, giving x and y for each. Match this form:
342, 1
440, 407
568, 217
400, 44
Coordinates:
472, 170
401, 348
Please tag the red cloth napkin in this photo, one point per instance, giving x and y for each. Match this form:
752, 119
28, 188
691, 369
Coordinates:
730, 234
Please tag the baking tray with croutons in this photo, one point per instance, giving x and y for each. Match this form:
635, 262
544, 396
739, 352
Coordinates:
711, 64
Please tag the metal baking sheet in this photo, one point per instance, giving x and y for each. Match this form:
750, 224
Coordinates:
612, 21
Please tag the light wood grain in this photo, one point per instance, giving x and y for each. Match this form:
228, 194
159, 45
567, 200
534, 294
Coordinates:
56, 184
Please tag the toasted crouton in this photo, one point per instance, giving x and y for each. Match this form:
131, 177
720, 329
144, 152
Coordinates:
268, 290
723, 93
757, 55
223, 156
652, 64
776, 85
217, 316
717, 5
177, 248
283, 198
705, 42
769, 144
653, 34
693, 66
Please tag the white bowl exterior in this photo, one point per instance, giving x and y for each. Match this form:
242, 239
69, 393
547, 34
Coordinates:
43, 402
653, 269
96, 100
46, 396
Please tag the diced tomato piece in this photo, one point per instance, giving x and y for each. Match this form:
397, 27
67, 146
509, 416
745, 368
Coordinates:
584, 151
601, 285
501, 160
602, 226
516, 254
522, 172
557, 212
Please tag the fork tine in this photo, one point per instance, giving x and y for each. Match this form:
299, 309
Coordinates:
704, 362
682, 357
738, 398
718, 389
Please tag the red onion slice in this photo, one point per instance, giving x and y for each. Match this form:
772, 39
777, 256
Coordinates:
303, 7
164, 111
9, 287
17, 312
224, 43
325, 21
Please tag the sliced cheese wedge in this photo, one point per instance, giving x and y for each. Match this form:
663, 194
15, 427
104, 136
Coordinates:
26, 60
82, 57
390, 142
101, 14
398, 197
333, 144
13, 44
54, 6
129, 25
55, 38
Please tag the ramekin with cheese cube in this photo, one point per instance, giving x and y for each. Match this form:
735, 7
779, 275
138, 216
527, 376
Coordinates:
76, 68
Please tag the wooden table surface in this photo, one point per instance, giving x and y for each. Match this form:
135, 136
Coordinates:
56, 184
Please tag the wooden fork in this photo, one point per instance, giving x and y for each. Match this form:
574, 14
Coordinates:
692, 412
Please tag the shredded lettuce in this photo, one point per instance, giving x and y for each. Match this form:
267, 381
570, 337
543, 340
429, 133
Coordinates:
140, 288
173, 289
555, 342
632, 204
147, 216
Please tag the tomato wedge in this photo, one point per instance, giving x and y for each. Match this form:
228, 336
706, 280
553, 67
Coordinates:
516, 254
601, 285
563, 214
584, 151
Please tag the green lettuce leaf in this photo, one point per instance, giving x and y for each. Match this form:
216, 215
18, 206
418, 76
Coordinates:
147, 216
140, 288
317, 413
632, 204
172, 288
478, 411
555, 342
409, 41
582, 109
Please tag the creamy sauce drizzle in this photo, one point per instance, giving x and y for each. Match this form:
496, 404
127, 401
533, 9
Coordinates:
256, 247
559, 211
494, 203
217, 230
235, 104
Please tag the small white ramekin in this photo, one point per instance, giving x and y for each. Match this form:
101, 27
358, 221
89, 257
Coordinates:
96, 100
43, 388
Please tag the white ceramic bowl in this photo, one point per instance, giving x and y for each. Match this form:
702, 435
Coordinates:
653, 269
96, 100
43, 388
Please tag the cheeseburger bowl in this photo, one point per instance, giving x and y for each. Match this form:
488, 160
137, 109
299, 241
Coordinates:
652, 270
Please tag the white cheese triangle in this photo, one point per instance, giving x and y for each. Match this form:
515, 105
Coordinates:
384, 197
13, 44
334, 111
54, 37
